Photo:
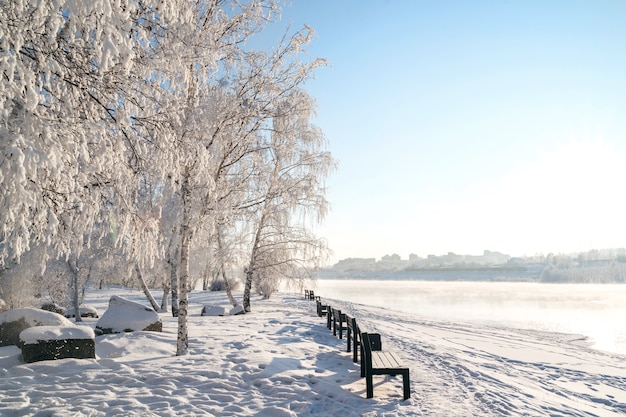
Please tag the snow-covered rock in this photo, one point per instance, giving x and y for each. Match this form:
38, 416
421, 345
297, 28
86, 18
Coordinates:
13, 322
85, 311
210, 310
42, 343
213, 310
237, 310
128, 316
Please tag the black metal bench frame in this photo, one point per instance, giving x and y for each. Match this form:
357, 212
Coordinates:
376, 362
339, 323
353, 336
322, 309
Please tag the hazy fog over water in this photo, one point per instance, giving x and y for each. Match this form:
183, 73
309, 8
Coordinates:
597, 311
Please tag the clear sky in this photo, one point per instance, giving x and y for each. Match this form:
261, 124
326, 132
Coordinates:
461, 126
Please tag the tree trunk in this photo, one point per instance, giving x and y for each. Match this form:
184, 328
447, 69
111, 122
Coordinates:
227, 285
252, 265
174, 280
182, 345
206, 277
248, 288
166, 294
229, 291
73, 265
145, 289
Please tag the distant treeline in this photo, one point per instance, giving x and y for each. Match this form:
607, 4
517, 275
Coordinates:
598, 273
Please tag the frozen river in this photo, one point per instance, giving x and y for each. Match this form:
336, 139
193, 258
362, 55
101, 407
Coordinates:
597, 311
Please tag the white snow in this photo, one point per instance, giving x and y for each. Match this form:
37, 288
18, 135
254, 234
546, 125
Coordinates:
33, 335
281, 360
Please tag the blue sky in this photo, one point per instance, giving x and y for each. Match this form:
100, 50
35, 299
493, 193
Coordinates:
470, 125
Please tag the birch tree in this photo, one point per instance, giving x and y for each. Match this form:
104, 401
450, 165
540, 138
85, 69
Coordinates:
192, 45
101, 97
63, 128
282, 246
291, 170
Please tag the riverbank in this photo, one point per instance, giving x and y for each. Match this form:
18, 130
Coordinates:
280, 360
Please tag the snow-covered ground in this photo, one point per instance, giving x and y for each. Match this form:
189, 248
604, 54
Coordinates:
281, 360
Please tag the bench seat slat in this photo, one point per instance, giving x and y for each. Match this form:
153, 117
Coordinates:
385, 360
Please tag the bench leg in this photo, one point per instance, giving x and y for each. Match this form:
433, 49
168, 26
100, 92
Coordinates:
362, 363
406, 384
369, 383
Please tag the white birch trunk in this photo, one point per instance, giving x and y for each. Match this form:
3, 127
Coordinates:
73, 264
220, 248
174, 261
182, 345
166, 294
252, 265
145, 289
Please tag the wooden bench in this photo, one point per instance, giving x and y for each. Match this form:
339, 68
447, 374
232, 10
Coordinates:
353, 336
376, 362
322, 309
339, 323
306, 294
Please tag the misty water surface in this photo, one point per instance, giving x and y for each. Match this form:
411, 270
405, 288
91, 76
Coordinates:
597, 311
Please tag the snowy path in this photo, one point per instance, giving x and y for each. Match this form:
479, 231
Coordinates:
282, 361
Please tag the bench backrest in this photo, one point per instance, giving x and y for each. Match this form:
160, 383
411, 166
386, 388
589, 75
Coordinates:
322, 309
329, 317
338, 316
339, 319
353, 338
369, 342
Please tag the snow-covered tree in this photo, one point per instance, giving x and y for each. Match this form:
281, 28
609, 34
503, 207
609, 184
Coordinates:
64, 136
290, 187
139, 125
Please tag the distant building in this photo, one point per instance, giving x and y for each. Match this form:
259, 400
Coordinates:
356, 264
